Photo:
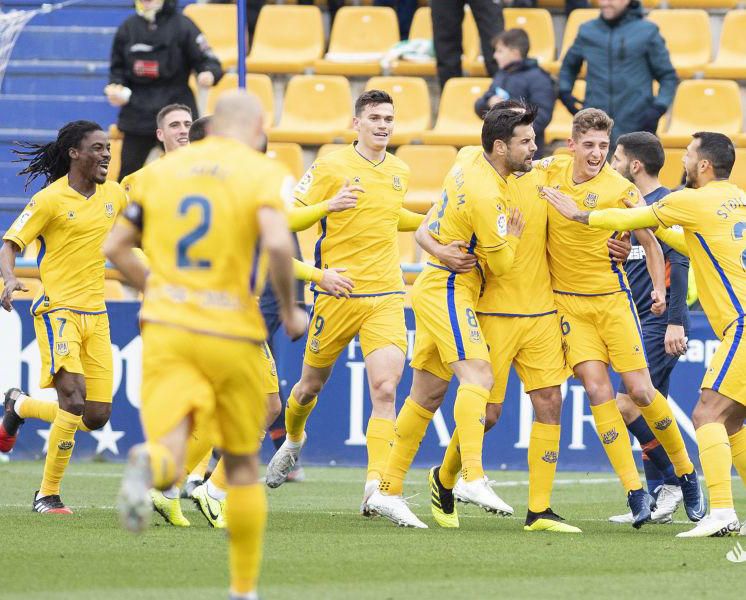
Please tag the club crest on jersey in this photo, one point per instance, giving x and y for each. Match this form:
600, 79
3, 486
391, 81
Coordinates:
70, 215
314, 345
109, 209
550, 456
591, 200
66, 445
608, 437
663, 423
61, 348
397, 183
475, 336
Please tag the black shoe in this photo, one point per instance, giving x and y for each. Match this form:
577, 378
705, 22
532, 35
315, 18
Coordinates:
50, 504
642, 506
11, 421
694, 500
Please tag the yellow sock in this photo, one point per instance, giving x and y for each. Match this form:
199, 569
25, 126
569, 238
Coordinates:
31, 408
716, 460
410, 428
61, 442
296, 416
469, 414
615, 439
663, 424
162, 465
379, 439
246, 517
218, 476
738, 452
543, 451
83, 427
451, 465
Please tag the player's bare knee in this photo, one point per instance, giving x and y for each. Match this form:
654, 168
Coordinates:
598, 391
384, 390
641, 394
307, 390
547, 403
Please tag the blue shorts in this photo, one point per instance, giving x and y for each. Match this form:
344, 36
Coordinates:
660, 364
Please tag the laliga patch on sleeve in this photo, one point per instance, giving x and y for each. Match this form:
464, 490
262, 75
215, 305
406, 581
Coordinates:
502, 225
305, 183
677, 228
545, 162
22, 220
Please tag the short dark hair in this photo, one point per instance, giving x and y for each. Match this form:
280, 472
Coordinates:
514, 38
502, 119
372, 97
591, 119
719, 150
645, 147
169, 108
198, 130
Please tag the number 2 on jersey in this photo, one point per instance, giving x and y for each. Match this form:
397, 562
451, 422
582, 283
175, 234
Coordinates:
196, 234
738, 230
435, 225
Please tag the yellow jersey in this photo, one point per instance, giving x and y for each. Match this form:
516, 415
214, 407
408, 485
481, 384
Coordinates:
525, 290
472, 208
364, 240
579, 259
713, 218
71, 230
197, 209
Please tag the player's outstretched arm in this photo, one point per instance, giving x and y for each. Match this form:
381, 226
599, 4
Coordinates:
119, 247
500, 261
276, 241
8, 253
452, 255
656, 267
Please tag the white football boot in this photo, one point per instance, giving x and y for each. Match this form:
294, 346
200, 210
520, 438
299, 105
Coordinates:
370, 487
395, 509
283, 462
482, 495
724, 523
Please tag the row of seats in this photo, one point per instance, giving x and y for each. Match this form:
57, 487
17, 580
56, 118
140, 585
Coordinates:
290, 39
317, 109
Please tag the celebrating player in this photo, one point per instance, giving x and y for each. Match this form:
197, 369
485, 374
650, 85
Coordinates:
70, 218
363, 239
712, 213
449, 340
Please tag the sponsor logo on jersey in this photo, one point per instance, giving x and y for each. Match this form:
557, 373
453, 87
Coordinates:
109, 209
61, 348
355, 180
663, 423
608, 437
550, 456
66, 445
591, 200
397, 183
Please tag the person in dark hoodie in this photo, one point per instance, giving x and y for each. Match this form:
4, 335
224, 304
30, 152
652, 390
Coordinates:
520, 78
153, 54
624, 53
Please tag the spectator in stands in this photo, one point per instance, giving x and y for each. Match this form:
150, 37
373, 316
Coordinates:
520, 78
447, 17
404, 13
153, 54
570, 5
624, 53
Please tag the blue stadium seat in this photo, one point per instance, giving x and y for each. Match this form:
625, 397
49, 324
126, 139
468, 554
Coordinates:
64, 43
52, 112
75, 78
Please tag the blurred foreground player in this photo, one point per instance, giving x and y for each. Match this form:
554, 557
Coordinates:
203, 215
70, 218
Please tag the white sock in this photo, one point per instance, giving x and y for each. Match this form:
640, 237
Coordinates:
172, 493
195, 478
723, 514
17, 404
249, 596
292, 444
215, 492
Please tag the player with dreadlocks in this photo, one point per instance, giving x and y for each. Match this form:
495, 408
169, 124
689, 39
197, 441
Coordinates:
70, 218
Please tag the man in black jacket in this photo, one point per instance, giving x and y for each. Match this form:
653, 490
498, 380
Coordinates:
153, 54
520, 78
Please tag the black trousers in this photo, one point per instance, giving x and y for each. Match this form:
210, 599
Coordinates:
447, 39
135, 149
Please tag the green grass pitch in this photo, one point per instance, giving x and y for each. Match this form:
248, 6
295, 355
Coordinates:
319, 547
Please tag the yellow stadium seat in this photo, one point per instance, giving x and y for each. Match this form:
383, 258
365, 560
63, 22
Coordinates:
673, 168
116, 159
287, 39
537, 23
408, 248
702, 105
574, 21
114, 133
257, 83
360, 36
738, 175
560, 127
327, 148
472, 61
687, 35
429, 166
457, 123
219, 23
730, 62
289, 154
707, 4
411, 106
307, 240
645, 3
113, 290
421, 29
317, 110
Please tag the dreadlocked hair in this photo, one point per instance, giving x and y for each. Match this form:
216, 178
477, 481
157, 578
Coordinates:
52, 160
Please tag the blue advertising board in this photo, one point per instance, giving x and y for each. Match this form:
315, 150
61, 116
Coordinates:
337, 427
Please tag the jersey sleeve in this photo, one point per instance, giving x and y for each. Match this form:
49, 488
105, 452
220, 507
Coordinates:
630, 194
31, 222
489, 221
315, 185
678, 208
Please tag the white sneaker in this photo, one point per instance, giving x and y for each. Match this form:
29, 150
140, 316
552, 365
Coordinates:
134, 502
714, 526
743, 528
482, 495
282, 463
627, 519
395, 509
370, 487
667, 503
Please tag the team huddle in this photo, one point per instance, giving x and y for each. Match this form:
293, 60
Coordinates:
523, 271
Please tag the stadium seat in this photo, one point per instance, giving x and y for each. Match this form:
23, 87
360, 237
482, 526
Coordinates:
317, 110
257, 83
730, 62
421, 29
289, 154
307, 240
706, 4
457, 123
687, 35
287, 39
429, 166
537, 22
411, 103
472, 61
219, 24
408, 248
560, 126
360, 36
116, 159
702, 105
673, 168
327, 148
738, 175
574, 21
113, 290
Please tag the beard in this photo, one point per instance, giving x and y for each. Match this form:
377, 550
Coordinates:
520, 166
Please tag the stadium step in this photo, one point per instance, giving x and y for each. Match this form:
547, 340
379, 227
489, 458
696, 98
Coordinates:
52, 112
51, 77
10, 207
60, 43
11, 184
